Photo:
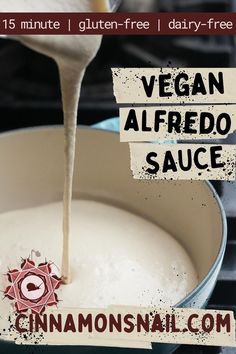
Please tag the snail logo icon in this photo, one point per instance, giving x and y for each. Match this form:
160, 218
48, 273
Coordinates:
32, 287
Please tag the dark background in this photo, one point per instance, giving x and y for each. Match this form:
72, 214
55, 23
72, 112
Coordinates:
29, 84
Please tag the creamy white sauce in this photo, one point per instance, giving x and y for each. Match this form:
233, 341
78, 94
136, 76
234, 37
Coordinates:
72, 55
116, 257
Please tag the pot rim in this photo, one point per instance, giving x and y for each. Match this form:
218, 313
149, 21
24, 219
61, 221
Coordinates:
222, 247
221, 252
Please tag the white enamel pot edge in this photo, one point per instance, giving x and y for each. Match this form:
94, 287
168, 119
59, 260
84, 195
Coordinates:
200, 296
197, 298
206, 286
